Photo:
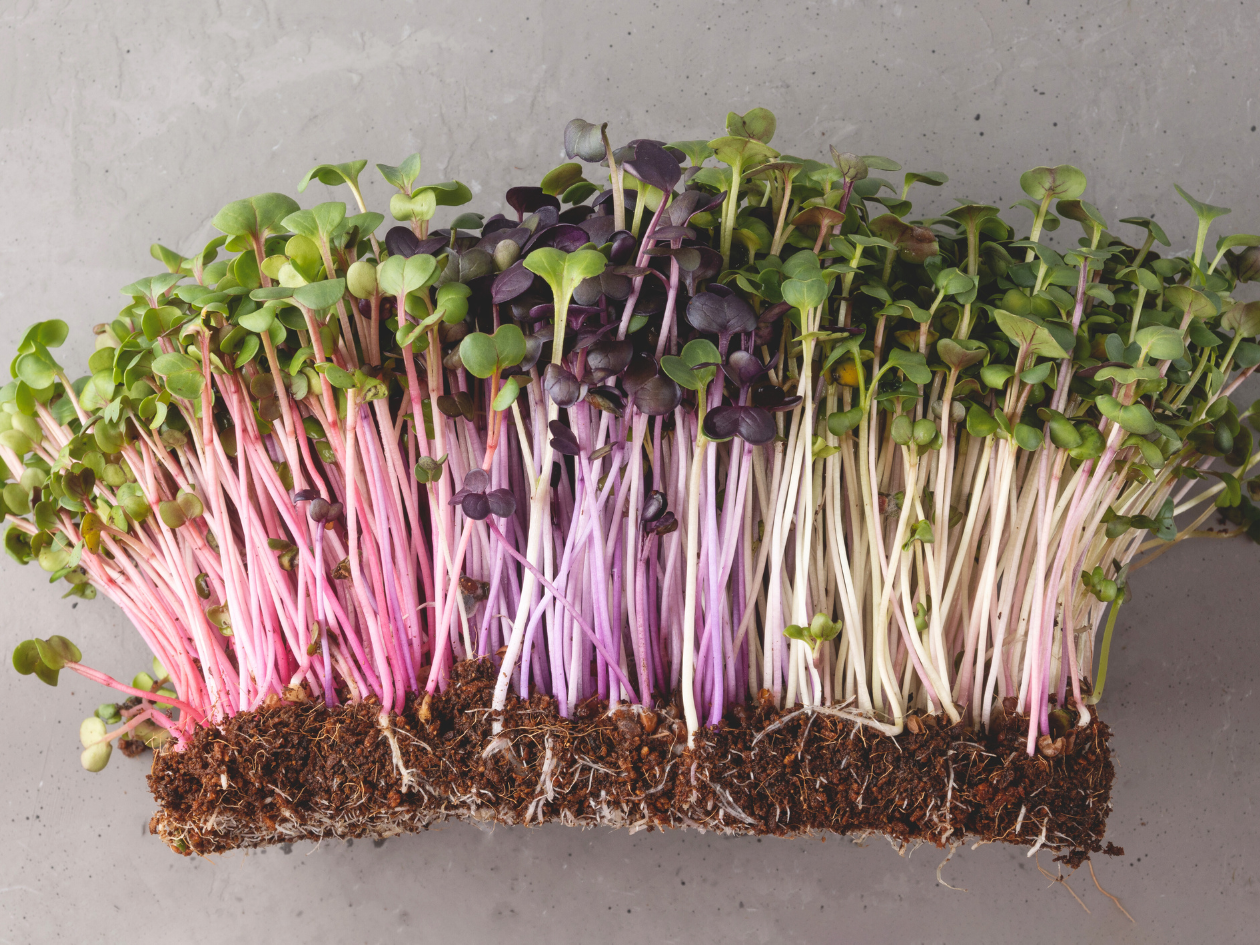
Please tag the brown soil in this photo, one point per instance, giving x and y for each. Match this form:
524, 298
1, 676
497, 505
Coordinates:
299, 771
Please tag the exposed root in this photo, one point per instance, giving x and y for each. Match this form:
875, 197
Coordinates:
1062, 879
303, 771
949, 856
407, 775
1107, 894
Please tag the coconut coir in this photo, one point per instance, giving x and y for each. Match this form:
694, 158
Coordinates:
301, 771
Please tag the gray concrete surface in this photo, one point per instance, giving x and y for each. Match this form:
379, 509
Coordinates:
121, 124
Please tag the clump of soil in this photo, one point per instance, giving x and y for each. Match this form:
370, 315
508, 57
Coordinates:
298, 770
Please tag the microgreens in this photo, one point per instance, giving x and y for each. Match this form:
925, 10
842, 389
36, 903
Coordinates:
734, 424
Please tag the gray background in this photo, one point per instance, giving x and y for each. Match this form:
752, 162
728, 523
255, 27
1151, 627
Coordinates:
121, 124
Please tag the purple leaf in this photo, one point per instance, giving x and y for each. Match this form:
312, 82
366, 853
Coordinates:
608, 357
497, 222
517, 234
588, 291
502, 502
641, 369
743, 368
599, 228
709, 312
511, 282
562, 439
475, 483
708, 267
658, 396
654, 506
673, 233
542, 218
577, 214
528, 199
653, 165
606, 196
476, 506
561, 386
664, 525
623, 247
689, 203
615, 285
400, 241
318, 509
753, 425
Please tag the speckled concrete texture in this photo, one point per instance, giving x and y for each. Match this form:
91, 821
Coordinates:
121, 124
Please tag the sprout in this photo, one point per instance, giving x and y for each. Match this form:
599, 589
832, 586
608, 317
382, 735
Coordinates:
838, 454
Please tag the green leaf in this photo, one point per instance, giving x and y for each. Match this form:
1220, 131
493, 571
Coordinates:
1134, 418
26, 657
697, 151
842, 421
980, 422
1206, 212
507, 394
680, 372
920, 531
1027, 437
1064, 182
35, 370
1238, 239
1165, 526
1083, 212
254, 216
1038, 374
56, 651
701, 352
996, 375
912, 364
171, 514
1186, 299
805, 295
404, 175
16, 499
320, 295
509, 344
582, 264
421, 205
1026, 332
334, 174
1242, 318
747, 152
1148, 224
402, 276
1163, 343
796, 632
758, 124
559, 179
189, 384
165, 364
449, 193
52, 333
933, 178
875, 162
336, 376
478, 353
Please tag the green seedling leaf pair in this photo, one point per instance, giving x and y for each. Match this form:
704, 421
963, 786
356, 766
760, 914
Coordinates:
1162, 526
45, 658
697, 366
820, 630
487, 355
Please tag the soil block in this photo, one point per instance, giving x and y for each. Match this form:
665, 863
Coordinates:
298, 770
